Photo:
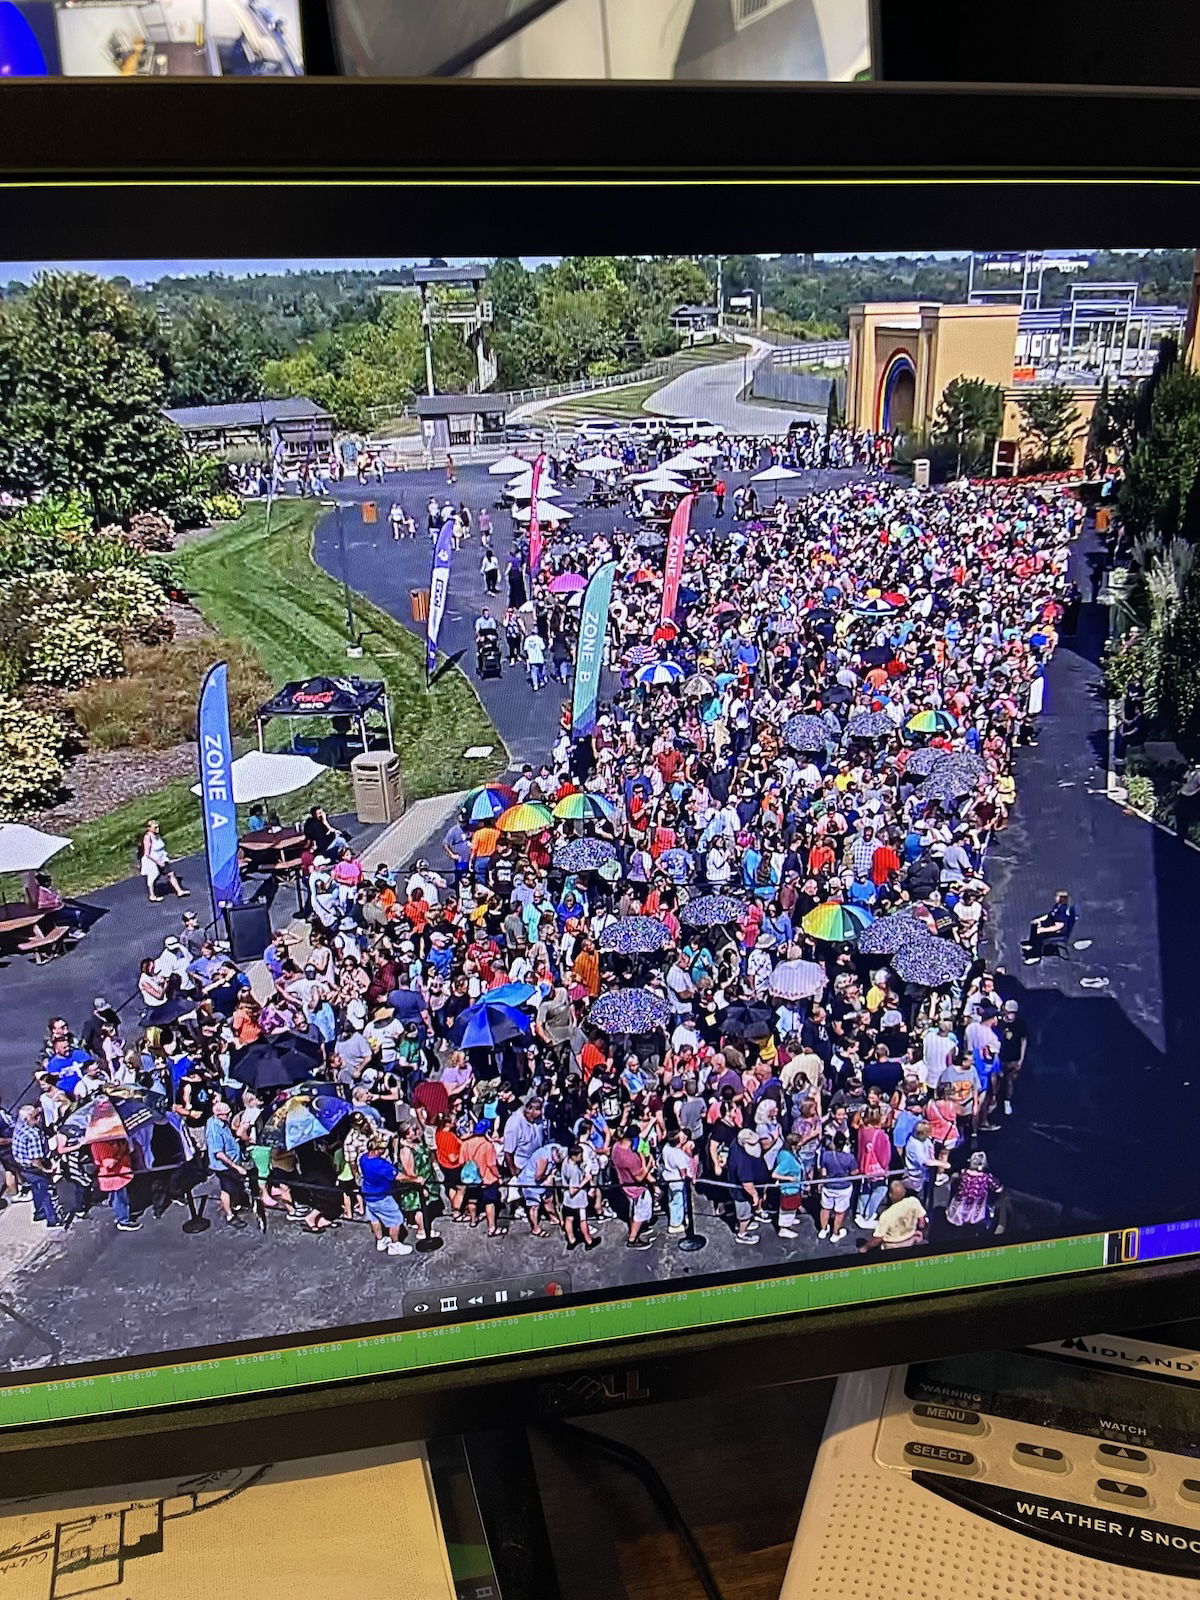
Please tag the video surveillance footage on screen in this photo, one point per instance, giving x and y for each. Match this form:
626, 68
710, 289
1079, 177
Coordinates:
537, 780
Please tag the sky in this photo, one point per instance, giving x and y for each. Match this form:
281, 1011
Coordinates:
146, 271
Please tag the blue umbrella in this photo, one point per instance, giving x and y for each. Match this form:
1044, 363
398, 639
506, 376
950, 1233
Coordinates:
805, 733
511, 994
584, 855
630, 1011
688, 597
660, 672
870, 725
635, 936
948, 788
710, 911
314, 1121
487, 1024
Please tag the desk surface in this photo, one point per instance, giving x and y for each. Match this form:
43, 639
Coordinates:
737, 1467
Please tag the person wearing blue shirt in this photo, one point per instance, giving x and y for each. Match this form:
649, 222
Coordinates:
377, 1180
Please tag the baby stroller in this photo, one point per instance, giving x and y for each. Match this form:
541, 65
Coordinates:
487, 655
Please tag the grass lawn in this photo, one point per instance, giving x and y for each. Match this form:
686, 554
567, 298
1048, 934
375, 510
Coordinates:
270, 592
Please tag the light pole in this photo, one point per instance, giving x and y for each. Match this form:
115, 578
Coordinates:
354, 638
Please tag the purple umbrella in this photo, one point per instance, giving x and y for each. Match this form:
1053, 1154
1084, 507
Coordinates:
630, 1011
931, 963
635, 936
710, 911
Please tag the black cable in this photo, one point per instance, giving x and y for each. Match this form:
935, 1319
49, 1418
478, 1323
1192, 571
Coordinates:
647, 1474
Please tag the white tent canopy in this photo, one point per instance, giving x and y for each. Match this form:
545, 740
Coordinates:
507, 465
661, 483
546, 511
261, 774
522, 489
598, 464
24, 849
773, 475
685, 461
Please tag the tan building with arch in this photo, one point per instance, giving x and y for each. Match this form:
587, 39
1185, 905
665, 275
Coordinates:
904, 353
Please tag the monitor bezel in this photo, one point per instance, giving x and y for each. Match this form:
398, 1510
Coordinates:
66, 147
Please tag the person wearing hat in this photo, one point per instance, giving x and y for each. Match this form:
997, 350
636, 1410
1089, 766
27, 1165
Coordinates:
1014, 1041
377, 1182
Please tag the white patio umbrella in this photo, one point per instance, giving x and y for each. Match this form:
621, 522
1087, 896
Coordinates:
662, 483
261, 774
685, 461
547, 512
24, 849
522, 489
507, 465
704, 451
773, 475
598, 464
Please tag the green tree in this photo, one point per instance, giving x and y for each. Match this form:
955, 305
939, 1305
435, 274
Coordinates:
1163, 465
1049, 424
80, 399
970, 415
1099, 434
1177, 674
209, 357
833, 415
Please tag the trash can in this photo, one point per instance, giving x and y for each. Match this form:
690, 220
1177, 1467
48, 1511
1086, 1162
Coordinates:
921, 473
370, 511
418, 600
378, 787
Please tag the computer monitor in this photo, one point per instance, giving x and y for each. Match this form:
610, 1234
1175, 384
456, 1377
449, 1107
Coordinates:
810, 597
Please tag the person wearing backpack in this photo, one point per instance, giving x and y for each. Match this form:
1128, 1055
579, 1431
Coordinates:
480, 1176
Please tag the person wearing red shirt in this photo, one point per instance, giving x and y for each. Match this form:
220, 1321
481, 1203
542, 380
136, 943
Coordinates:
820, 859
884, 863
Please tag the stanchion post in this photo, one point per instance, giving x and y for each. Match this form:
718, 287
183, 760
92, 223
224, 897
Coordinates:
691, 1240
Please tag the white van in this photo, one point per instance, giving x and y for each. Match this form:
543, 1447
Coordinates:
596, 430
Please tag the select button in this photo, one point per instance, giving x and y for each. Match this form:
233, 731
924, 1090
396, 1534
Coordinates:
939, 1457
953, 1417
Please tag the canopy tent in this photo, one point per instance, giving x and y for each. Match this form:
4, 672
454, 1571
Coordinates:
260, 775
349, 698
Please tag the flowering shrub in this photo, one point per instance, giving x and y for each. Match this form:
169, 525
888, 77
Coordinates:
132, 603
32, 753
69, 647
224, 506
152, 530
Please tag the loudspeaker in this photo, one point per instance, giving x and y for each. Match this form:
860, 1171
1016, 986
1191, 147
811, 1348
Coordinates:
249, 930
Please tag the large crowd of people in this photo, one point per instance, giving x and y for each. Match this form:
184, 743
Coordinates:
721, 962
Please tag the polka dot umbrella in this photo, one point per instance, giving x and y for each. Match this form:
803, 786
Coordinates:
870, 725
710, 911
931, 963
635, 936
889, 934
924, 761
584, 855
805, 733
630, 1011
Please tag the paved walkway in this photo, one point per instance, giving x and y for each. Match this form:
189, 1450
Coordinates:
1110, 1079
711, 393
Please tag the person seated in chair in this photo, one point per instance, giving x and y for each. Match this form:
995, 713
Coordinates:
1053, 928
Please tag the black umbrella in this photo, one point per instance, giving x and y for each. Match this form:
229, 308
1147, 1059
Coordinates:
278, 1061
877, 655
836, 694
805, 733
747, 1020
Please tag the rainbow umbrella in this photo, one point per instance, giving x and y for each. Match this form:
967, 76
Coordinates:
836, 923
524, 818
929, 721
486, 804
585, 807
567, 583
